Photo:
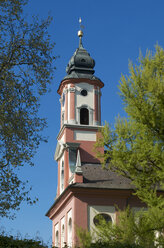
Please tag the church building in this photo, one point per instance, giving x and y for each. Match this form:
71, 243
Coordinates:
84, 190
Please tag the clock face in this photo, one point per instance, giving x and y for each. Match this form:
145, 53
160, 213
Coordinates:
84, 92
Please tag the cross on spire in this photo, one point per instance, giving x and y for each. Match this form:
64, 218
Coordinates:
80, 33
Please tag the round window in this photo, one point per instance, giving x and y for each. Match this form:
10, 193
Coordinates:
84, 93
99, 217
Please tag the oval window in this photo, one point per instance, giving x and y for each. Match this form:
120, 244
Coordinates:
84, 93
99, 217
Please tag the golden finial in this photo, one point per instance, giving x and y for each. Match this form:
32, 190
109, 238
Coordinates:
80, 32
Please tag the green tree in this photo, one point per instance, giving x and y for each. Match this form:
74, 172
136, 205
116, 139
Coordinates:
26, 70
135, 147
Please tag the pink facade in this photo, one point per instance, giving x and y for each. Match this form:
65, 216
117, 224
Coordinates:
79, 200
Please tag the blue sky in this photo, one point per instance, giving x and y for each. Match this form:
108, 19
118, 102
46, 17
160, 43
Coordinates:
115, 31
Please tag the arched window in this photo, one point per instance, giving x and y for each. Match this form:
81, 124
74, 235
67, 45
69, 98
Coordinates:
70, 232
84, 116
57, 239
62, 177
62, 236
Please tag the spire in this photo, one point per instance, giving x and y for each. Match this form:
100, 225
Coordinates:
78, 169
80, 33
81, 64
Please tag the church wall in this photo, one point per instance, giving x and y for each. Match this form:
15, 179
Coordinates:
80, 215
110, 197
86, 147
92, 201
61, 218
82, 204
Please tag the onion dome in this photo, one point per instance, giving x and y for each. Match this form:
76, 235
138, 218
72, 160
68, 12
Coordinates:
81, 64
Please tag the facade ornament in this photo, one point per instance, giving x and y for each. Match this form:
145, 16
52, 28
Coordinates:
65, 91
71, 89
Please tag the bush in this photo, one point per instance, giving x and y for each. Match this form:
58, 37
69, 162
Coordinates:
11, 242
116, 245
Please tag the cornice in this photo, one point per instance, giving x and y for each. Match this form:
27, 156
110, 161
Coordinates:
64, 82
76, 188
77, 126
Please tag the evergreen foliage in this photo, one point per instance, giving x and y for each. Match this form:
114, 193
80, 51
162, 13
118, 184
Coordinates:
26, 70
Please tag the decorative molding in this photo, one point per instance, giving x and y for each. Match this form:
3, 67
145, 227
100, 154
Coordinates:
65, 91
72, 145
96, 92
65, 82
59, 151
71, 179
96, 123
72, 121
85, 106
78, 126
72, 89
85, 135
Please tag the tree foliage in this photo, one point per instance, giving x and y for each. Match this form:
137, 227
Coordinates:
11, 242
133, 230
135, 148
26, 70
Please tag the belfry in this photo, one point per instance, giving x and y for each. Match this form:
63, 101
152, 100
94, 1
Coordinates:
85, 190
80, 93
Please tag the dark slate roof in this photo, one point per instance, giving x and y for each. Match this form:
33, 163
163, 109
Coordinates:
81, 65
97, 177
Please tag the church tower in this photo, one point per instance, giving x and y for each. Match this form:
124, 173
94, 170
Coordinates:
80, 98
85, 190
